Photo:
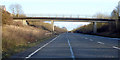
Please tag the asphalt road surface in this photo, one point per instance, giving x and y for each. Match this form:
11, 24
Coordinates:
73, 46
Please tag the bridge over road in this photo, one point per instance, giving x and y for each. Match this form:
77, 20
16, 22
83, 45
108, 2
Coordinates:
71, 19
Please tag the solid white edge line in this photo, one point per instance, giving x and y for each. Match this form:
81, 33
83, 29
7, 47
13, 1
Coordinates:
116, 47
40, 48
71, 49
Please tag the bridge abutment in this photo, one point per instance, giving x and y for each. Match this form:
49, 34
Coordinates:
23, 21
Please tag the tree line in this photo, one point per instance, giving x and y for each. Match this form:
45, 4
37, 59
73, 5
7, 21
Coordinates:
110, 29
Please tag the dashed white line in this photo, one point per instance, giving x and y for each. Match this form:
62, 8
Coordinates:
72, 54
100, 42
40, 48
116, 47
91, 40
86, 38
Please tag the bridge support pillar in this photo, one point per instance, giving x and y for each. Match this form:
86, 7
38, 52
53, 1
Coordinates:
53, 28
94, 27
111, 26
118, 24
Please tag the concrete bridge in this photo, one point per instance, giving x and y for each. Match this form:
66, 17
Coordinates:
70, 19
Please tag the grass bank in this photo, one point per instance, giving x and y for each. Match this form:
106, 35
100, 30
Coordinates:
19, 38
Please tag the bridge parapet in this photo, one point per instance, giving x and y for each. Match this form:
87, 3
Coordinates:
60, 15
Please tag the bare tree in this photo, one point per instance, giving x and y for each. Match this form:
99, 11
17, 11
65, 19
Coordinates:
16, 9
115, 15
116, 12
101, 15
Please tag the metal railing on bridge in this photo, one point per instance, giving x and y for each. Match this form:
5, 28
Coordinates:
60, 15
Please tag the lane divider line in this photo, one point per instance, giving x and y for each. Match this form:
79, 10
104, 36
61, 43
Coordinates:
91, 40
100, 42
41, 48
86, 38
72, 54
116, 47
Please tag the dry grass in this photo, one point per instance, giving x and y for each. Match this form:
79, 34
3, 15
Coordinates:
16, 38
60, 30
103, 29
47, 26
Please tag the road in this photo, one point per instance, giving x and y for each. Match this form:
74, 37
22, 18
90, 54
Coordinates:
73, 46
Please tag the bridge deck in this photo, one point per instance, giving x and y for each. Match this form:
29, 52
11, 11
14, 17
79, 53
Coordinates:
65, 18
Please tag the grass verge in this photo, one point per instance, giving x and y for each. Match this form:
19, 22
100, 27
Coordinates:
20, 48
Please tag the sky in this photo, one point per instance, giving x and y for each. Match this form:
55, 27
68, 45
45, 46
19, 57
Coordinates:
64, 7
69, 25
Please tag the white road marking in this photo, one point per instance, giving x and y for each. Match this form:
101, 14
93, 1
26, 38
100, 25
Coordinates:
91, 40
40, 48
115, 38
111, 38
116, 47
71, 49
86, 38
100, 42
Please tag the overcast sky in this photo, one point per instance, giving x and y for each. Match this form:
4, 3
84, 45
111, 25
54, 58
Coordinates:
68, 7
